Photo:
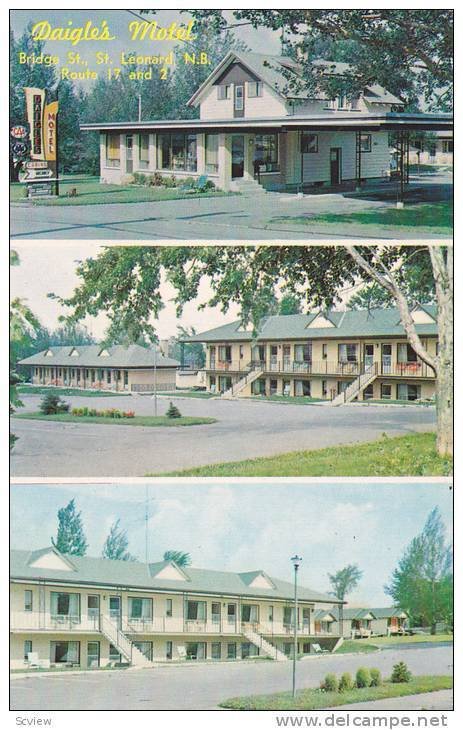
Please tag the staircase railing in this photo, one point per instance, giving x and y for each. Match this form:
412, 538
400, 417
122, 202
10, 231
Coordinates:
116, 637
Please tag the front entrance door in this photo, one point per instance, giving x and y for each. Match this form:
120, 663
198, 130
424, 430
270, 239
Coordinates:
237, 155
115, 609
369, 355
386, 359
335, 165
129, 154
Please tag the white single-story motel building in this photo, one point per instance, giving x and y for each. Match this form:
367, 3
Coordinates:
254, 135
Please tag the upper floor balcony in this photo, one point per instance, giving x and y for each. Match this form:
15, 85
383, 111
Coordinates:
416, 369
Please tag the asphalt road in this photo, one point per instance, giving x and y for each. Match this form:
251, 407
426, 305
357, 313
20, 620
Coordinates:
245, 429
224, 218
203, 686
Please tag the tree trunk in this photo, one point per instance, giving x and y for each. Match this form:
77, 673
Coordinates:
443, 275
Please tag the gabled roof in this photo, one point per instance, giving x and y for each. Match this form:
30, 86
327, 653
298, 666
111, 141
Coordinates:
273, 70
94, 356
353, 323
142, 576
391, 612
350, 614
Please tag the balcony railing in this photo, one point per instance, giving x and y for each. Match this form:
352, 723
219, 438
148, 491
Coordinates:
324, 367
34, 621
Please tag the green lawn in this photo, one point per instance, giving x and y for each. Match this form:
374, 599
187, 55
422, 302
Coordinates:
429, 217
136, 421
412, 455
357, 646
299, 400
189, 394
91, 192
416, 639
43, 390
315, 699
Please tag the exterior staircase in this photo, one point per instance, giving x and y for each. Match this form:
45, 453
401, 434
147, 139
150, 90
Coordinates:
264, 645
123, 644
352, 390
237, 388
248, 186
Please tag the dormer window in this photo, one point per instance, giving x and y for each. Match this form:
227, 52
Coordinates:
239, 98
223, 92
254, 89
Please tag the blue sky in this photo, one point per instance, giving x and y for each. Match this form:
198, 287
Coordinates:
248, 526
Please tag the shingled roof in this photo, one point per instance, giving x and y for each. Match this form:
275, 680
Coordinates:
144, 576
97, 356
354, 323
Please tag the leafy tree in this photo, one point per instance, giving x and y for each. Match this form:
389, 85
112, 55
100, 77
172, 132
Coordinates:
422, 583
408, 52
289, 304
344, 581
124, 282
116, 544
178, 557
70, 537
414, 276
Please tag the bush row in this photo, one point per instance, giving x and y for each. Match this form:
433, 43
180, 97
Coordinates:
106, 413
364, 678
157, 180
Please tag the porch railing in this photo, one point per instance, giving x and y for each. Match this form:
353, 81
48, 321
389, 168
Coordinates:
325, 367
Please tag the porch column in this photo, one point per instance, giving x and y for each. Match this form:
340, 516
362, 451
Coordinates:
358, 158
182, 355
136, 151
123, 155
224, 159
102, 154
282, 155
152, 154
201, 153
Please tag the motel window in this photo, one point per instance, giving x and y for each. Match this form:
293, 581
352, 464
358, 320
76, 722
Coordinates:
249, 614
286, 387
169, 650
28, 600
231, 651
113, 154
447, 145
65, 652
225, 353
168, 606
347, 353
196, 610
178, 151
143, 151
368, 393
432, 150
288, 616
196, 650
386, 391
407, 391
255, 88
365, 142
324, 387
93, 606
249, 650
216, 650
303, 353
406, 353
302, 387
309, 143
212, 153
215, 613
266, 151
239, 98
141, 608
65, 604
27, 649
114, 655
126, 377
231, 613
324, 351
223, 92
108, 377
270, 613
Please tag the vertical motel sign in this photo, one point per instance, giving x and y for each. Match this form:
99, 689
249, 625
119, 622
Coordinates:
41, 171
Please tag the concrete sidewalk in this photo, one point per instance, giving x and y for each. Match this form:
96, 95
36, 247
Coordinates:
440, 700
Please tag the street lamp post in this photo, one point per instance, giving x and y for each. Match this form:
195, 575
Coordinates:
155, 379
296, 561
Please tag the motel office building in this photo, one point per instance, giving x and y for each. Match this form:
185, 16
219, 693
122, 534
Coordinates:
115, 368
253, 134
336, 356
91, 612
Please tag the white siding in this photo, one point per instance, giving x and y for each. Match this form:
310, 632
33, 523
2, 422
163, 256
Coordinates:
316, 166
267, 105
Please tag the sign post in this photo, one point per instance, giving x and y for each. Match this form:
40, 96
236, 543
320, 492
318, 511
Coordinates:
40, 172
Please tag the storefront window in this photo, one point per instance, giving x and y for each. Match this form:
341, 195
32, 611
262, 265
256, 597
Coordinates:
266, 152
178, 151
113, 155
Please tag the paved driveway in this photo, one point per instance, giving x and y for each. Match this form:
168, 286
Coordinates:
228, 218
203, 686
245, 429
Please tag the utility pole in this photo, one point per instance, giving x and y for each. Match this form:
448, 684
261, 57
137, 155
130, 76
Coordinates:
139, 107
146, 524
